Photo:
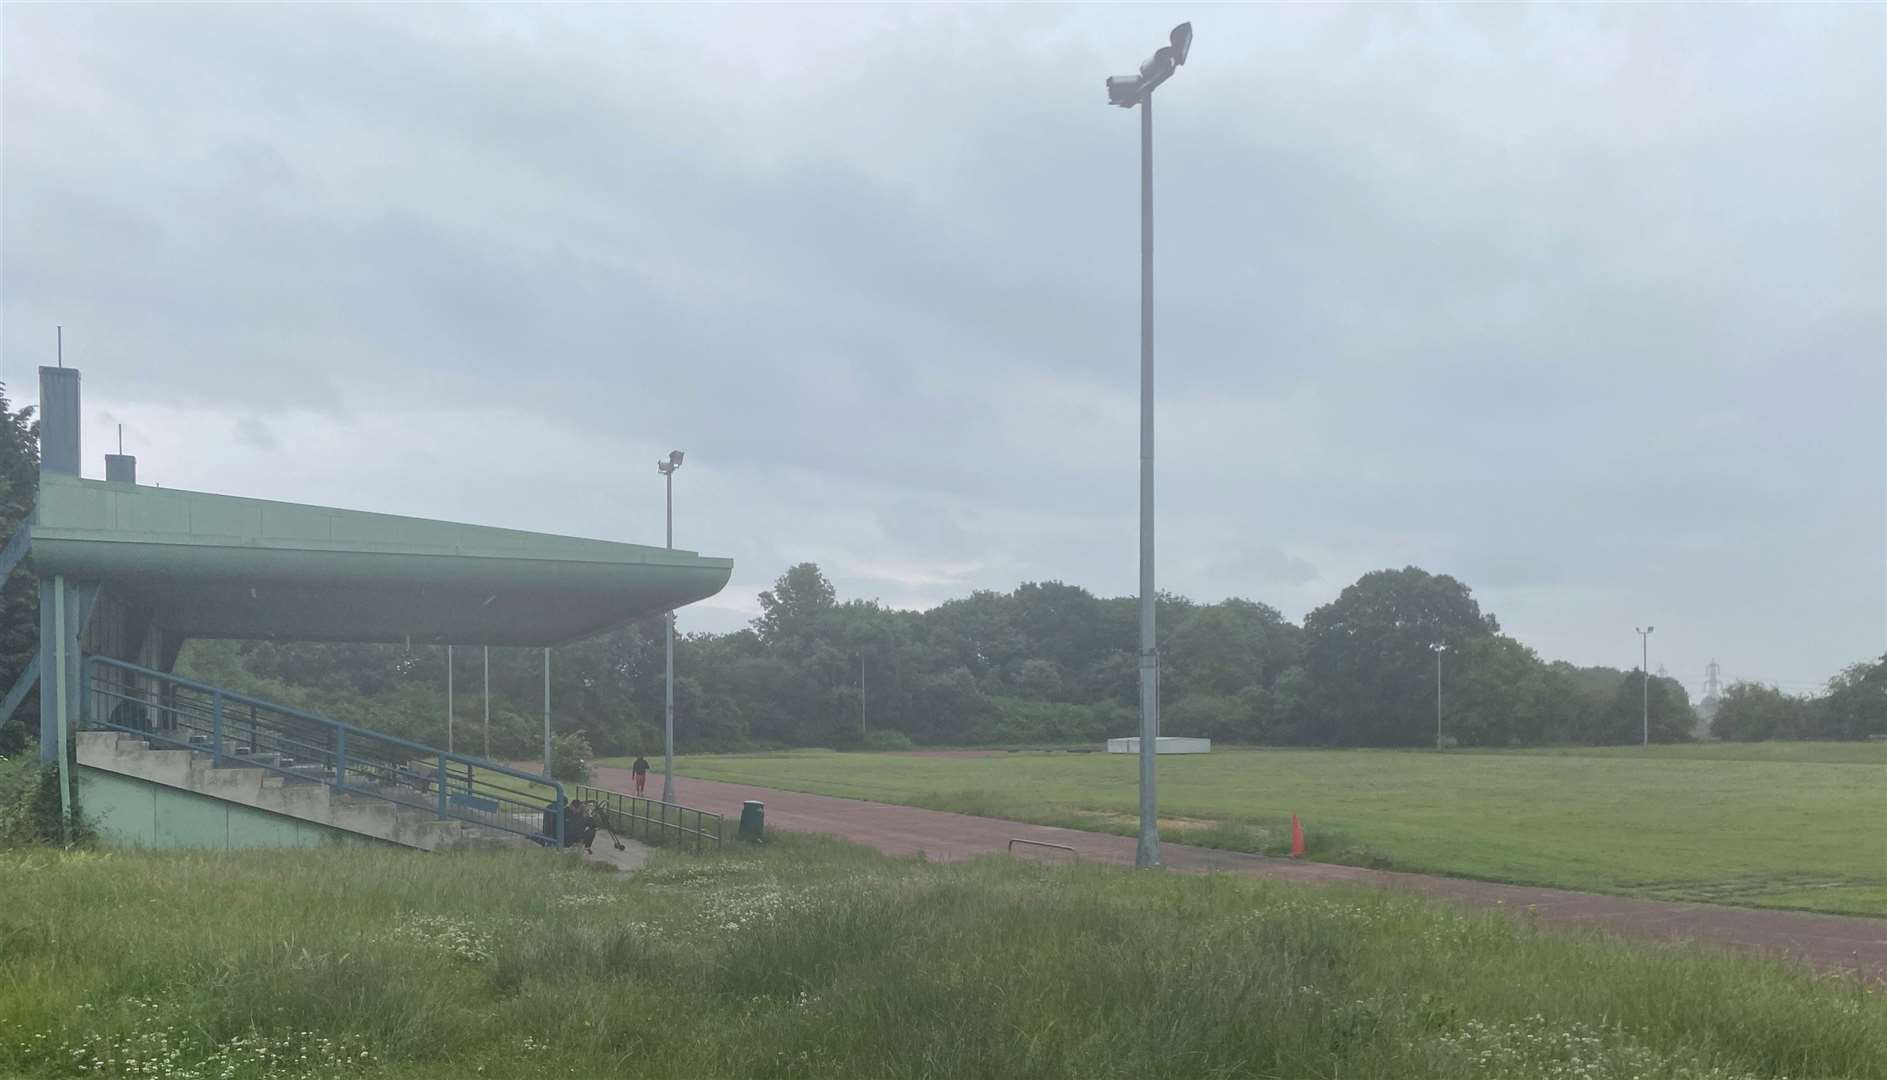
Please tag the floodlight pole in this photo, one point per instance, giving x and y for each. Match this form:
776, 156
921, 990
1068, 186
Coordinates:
1147, 853
1127, 92
1439, 648
448, 699
1644, 670
488, 702
667, 469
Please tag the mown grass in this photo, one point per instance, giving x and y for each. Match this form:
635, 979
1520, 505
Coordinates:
1712, 823
1872, 752
813, 958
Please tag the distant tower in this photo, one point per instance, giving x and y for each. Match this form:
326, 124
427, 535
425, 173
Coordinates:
1713, 695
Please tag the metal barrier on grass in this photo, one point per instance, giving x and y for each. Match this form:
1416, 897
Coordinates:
1073, 855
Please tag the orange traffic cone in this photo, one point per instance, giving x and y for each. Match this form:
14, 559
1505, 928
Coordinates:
1297, 838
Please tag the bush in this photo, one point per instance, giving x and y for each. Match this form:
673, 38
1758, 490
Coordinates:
570, 757
1206, 716
886, 739
29, 804
1021, 721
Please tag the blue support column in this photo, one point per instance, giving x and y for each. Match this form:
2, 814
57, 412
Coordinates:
56, 678
216, 729
61, 711
49, 675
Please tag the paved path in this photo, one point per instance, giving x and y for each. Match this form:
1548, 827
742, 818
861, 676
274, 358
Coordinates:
604, 853
1830, 942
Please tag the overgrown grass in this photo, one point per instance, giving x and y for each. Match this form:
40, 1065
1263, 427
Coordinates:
1715, 823
813, 958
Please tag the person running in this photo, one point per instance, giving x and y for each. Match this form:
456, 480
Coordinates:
641, 771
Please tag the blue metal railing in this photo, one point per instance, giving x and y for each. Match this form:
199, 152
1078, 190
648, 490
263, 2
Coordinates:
653, 820
235, 729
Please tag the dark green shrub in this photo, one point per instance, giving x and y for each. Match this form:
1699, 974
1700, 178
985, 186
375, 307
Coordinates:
29, 804
570, 757
887, 740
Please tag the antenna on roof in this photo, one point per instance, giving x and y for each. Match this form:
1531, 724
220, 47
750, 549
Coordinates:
120, 440
62, 345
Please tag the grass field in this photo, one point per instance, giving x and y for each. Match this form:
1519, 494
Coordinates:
1774, 825
811, 958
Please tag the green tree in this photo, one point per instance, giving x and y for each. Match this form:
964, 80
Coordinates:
1751, 712
1496, 695
1225, 648
1059, 623
1664, 705
791, 610
1856, 703
979, 634
19, 594
1368, 656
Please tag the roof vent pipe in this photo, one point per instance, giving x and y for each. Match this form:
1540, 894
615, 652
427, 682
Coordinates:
59, 420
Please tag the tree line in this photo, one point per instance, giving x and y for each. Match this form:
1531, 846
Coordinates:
1046, 662
1853, 706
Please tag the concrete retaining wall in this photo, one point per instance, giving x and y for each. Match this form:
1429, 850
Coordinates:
263, 796
129, 812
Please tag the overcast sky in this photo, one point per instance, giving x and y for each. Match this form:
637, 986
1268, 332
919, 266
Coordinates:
1586, 306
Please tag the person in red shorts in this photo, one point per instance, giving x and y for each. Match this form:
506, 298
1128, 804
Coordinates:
641, 771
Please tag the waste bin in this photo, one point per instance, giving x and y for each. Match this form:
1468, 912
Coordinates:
753, 821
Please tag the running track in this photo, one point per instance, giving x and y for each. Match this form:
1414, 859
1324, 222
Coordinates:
1830, 942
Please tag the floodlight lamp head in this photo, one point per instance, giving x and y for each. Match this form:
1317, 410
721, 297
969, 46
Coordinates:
1181, 37
1123, 90
674, 458
1156, 70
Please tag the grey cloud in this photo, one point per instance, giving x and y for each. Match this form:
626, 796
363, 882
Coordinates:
1259, 566
252, 432
1540, 297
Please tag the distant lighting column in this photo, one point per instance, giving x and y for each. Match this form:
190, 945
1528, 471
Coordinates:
667, 469
1439, 647
488, 702
448, 699
1644, 669
1127, 91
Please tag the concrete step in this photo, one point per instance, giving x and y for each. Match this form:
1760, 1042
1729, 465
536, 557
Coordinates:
299, 789
314, 774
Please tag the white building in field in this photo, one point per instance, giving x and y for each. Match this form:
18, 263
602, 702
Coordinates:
1165, 744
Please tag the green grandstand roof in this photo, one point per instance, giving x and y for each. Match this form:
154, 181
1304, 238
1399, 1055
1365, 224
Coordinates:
222, 566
